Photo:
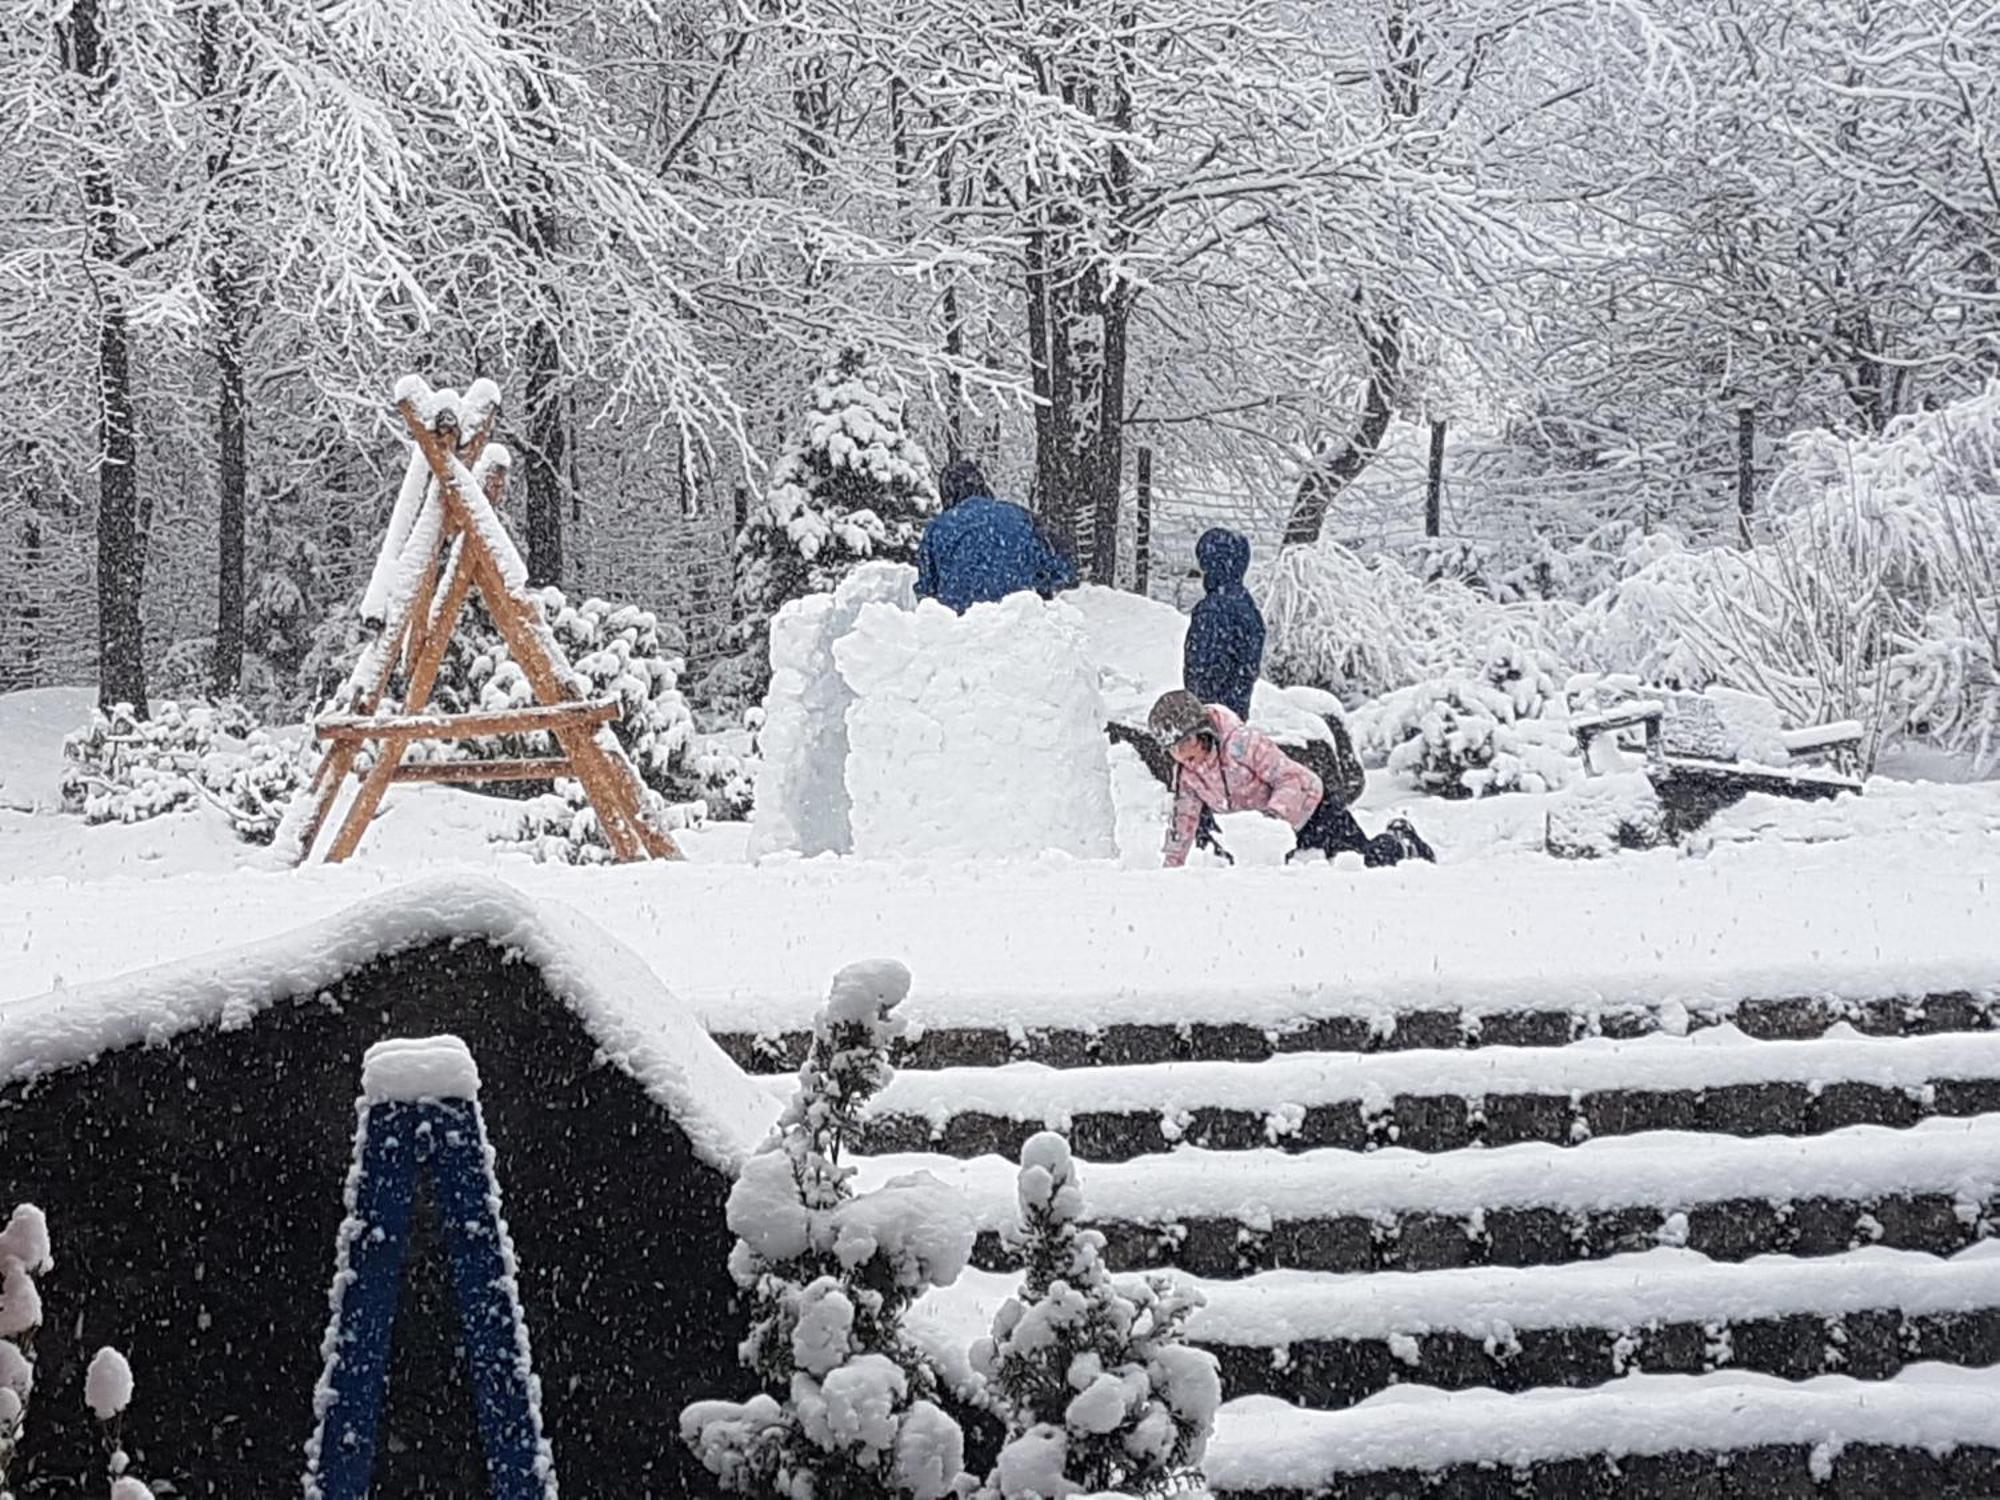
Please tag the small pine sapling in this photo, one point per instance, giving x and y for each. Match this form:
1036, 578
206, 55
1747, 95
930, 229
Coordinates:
846, 1411
1101, 1391
107, 1391
24, 1255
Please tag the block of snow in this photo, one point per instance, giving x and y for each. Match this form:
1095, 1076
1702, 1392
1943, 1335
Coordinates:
978, 735
419, 1067
896, 731
801, 789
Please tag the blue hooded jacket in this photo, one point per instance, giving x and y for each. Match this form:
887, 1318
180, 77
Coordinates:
1225, 638
983, 549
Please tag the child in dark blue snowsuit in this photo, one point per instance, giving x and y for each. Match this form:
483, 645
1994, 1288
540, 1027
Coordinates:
1225, 637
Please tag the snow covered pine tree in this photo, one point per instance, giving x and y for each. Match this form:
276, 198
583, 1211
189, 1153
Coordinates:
852, 486
1101, 1392
24, 1255
846, 1412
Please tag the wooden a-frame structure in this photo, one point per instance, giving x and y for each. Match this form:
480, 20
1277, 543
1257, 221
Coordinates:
445, 540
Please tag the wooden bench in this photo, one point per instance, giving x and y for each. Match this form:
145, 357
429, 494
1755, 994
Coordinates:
1688, 757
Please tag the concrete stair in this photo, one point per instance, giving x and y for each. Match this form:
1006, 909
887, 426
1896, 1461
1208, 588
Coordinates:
1741, 1249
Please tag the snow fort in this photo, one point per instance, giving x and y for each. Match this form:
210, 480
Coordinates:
899, 729
188, 1131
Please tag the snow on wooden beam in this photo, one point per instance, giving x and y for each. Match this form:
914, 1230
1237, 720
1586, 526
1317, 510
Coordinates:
481, 725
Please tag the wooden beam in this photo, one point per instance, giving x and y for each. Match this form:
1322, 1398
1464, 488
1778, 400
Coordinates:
484, 770
608, 778
543, 718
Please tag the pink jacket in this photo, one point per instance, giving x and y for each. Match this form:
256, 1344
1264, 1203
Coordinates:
1249, 775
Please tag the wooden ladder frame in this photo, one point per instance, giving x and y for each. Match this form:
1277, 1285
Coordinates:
458, 525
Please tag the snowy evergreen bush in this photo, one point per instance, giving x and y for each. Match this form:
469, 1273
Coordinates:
846, 1411
107, 1388
561, 827
853, 485
107, 1391
614, 651
124, 769
24, 1255
1100, 1388
1474, 734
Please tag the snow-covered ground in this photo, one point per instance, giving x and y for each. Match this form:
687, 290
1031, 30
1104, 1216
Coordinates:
1898, 891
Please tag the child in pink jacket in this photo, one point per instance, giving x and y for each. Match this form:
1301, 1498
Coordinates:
1226, 766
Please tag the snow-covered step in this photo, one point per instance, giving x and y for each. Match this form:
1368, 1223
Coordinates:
1321, 1339
1932, 1431
1715, 1080
1934, 1186
1359, 1024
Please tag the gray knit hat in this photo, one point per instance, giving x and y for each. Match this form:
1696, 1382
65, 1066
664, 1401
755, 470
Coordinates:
1176, 716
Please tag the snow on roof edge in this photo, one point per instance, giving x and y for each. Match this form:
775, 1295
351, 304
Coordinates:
635, 1019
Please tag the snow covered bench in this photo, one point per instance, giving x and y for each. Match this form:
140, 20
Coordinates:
1699, 762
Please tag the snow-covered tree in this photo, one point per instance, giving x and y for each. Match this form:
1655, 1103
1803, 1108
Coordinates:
853, 486
24, 1255
846, 1410
107, 1391
1101, 1390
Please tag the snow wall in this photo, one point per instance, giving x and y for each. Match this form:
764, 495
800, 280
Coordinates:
898, 729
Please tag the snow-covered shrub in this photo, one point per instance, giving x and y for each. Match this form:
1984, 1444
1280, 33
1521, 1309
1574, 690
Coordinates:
124, 769
1360, 630
846, 1410
107, 1384
1873, 594
107, 1391
24, 1255
614, 651
1100, 1387
853, 485
1604, 814
561, 826
1474, 734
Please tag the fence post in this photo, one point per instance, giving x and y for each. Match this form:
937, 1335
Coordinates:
1434, 487
1746, 468
1142, 533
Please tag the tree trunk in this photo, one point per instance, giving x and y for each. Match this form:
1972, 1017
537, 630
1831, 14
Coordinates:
121, 544
1106, 463
548, 454
232, 480
1746, 468
1142, 521
1330, 473
1434, 483
226, 291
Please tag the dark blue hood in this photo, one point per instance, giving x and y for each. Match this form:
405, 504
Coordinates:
1224, 556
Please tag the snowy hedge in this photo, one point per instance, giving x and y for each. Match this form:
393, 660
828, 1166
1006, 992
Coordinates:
1873, 592
124, 769
1502, 728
